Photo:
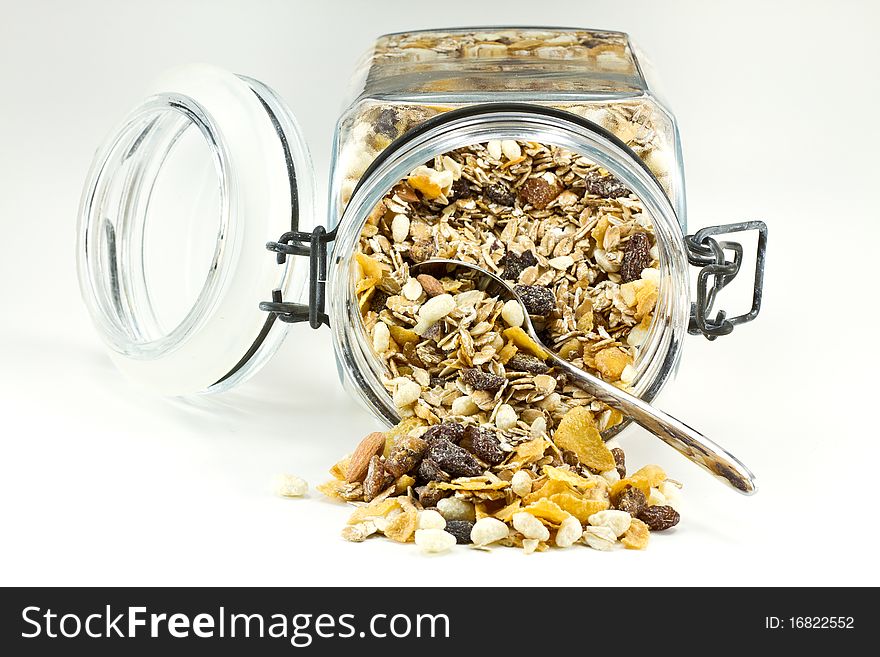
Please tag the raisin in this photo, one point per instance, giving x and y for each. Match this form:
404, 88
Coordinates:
386, 123
561, 380
460, 188
429, 471
538, 192
376, 480
429, 495
437, 381
480, 380
500, 193
514, 265
604, 186
405, 456
451, 431
451, 458
461, 529
484, 444
659, 518
377, 301
636, 257
570, 458
620, 460
633, 501
521, 362
537, 299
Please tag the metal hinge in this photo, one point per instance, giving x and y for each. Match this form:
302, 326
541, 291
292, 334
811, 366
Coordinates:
706, 252
314, 246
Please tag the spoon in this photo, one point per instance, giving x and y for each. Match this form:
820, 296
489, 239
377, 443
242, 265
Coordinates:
687, 441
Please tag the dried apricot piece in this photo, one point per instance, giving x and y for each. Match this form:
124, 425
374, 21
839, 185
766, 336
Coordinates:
507, 352
374, 510
522, 340
402, 526
577, 506
550, 487
402, 335
577, 432
371, 267
643, 479
636, 537
611, 361
571, 478
545, 509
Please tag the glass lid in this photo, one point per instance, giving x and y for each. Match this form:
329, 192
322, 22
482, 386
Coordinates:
176, 212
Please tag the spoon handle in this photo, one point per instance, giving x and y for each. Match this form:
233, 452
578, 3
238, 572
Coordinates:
675, 433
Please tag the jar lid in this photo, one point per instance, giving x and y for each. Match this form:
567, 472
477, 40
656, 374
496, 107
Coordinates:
176, 212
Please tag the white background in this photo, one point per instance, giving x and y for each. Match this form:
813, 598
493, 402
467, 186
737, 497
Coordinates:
101, 483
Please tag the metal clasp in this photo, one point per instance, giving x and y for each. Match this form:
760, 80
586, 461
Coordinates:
706, 252
313, 245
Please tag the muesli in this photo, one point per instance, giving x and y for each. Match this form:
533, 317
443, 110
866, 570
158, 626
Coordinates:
501, 445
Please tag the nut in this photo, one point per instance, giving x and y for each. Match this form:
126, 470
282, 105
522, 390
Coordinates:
430, 285
370, 446
510, 149
381, 338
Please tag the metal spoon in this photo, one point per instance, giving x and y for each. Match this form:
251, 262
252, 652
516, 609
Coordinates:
687, 441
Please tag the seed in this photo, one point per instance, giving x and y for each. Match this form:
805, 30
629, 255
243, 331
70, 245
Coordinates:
494, 148
488, 530
381, 338
636, 257
434, 541
512, 313
659, 518
537, 299
451, 458
461, 529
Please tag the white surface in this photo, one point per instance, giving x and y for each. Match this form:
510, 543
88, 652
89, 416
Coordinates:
101, 483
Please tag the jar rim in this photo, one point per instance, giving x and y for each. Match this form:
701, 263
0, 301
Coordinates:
660, 353
266, 186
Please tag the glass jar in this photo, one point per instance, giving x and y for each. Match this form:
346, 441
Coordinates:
176, 275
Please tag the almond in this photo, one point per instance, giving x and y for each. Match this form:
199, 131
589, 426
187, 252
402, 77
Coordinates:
369, 447
430, 285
